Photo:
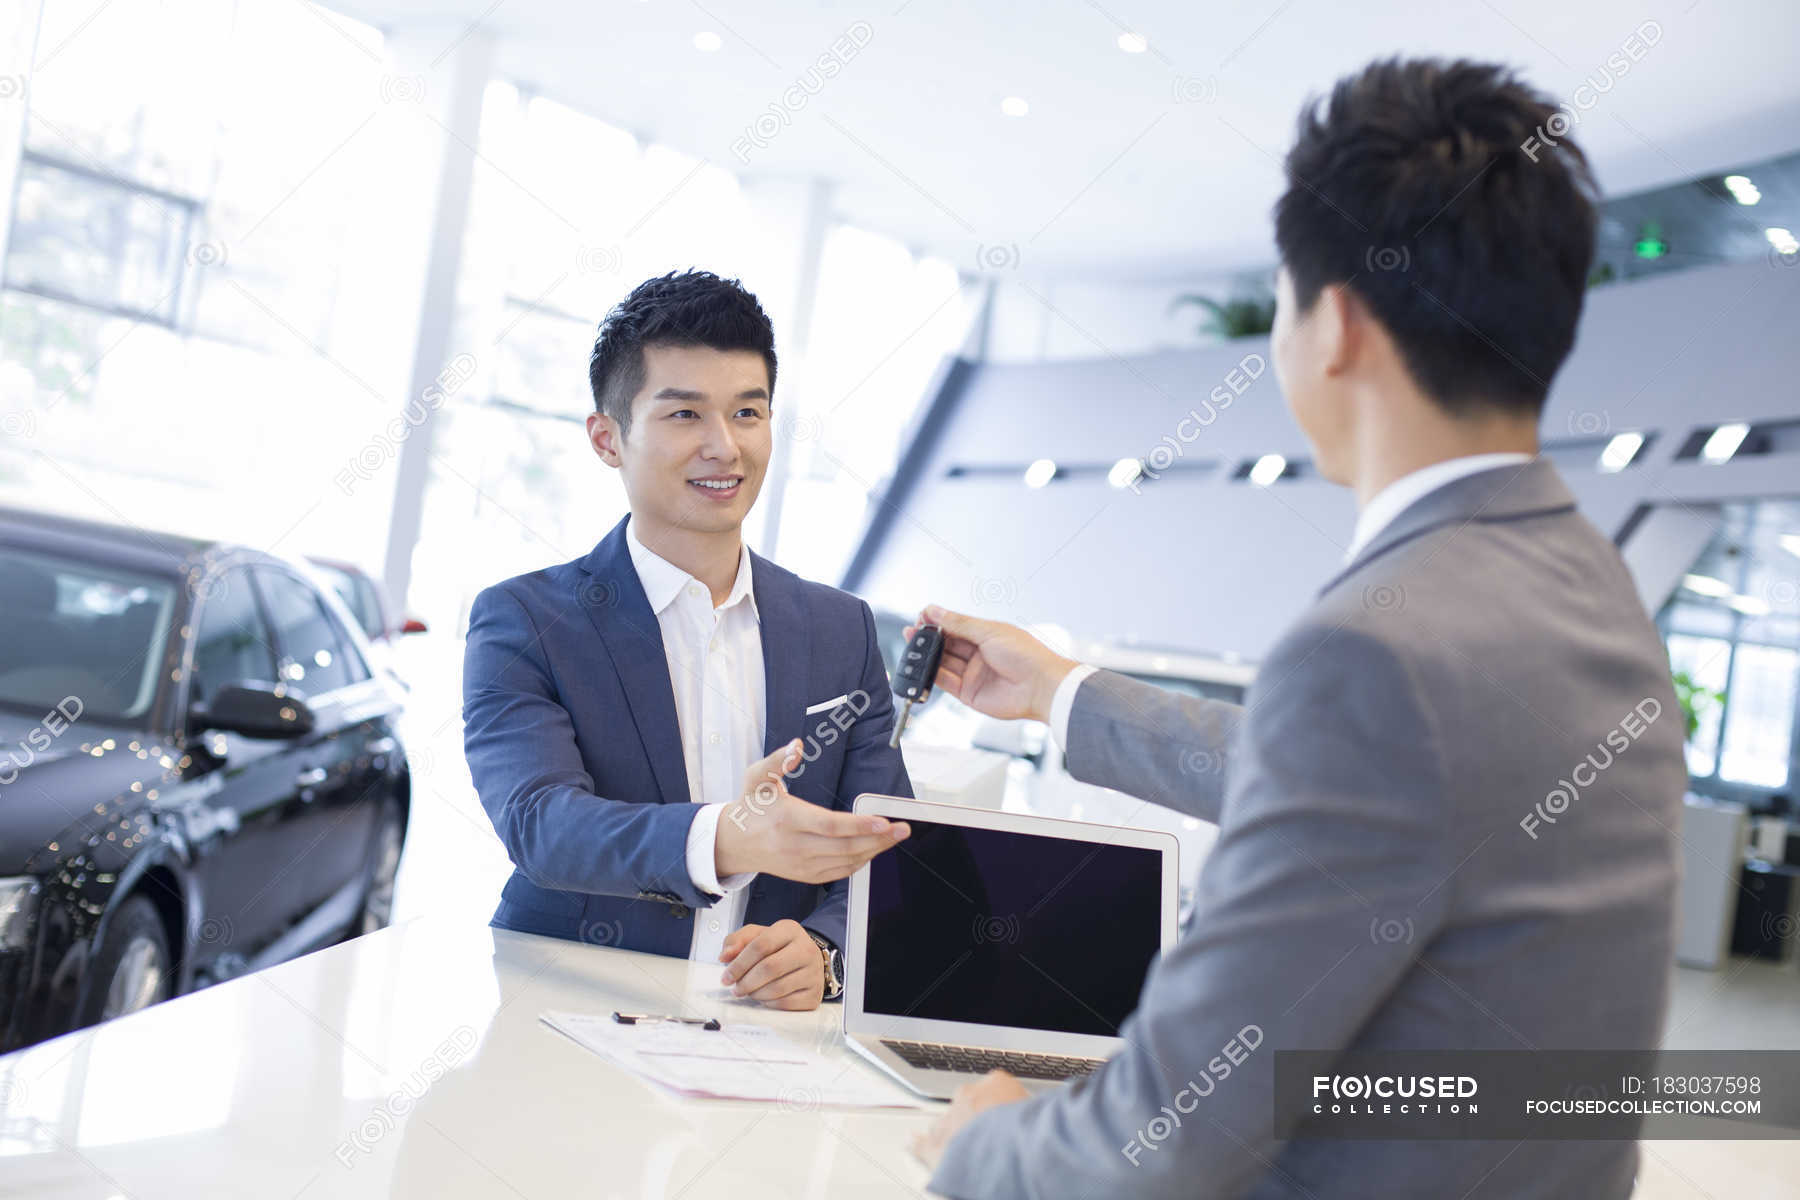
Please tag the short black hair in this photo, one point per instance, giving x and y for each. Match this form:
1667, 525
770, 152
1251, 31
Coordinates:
685, 308
1444, 195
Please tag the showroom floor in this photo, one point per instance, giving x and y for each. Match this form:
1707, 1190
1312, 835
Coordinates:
455, 865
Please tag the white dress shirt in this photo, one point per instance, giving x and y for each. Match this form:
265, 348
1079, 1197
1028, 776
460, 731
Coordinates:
716, 671
1375, 516
1407, 490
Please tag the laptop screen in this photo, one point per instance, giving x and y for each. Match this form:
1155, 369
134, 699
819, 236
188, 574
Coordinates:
1002, 928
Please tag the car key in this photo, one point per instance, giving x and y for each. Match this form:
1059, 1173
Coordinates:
918, 671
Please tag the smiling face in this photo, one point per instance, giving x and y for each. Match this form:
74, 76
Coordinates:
696, 450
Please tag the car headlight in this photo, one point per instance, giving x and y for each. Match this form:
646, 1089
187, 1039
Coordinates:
18, 901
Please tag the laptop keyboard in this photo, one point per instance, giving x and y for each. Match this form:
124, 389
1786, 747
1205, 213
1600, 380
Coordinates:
973, 1060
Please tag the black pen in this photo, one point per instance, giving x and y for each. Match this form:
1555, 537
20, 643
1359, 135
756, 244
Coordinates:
646, 1018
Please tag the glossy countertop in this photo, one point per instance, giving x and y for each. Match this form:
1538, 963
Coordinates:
411, 1063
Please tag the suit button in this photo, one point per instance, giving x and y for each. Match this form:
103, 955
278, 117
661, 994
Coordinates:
678, 911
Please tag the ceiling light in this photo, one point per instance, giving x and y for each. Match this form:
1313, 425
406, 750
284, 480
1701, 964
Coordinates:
1267, 470
1125, 472
1620, 451
1750, 606
1741, 189
1783, 240
1706, 585
707, 41
1040, 472
1133, 43
1014, 106
1724, 442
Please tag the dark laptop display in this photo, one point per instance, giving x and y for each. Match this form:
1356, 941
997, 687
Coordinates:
1016, 929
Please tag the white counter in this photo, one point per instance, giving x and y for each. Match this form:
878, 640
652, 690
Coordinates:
412, 1063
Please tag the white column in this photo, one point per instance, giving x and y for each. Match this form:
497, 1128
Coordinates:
18, 46
451, 69
793, 215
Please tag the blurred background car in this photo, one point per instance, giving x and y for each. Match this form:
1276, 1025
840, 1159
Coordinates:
200, 775
366, 603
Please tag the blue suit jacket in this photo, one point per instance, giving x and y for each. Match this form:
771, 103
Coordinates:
572, 739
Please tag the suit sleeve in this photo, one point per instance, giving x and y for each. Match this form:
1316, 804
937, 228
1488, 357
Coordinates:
1327, 880
1152, 743
520, 745
869, 766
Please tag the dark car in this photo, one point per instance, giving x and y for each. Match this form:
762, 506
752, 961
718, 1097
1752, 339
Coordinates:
364, 599
199, 774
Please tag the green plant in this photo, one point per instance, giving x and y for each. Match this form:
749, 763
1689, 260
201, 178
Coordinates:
1246, 316
1695, 700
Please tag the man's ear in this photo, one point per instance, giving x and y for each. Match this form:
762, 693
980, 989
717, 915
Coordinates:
606, 437
1341, 327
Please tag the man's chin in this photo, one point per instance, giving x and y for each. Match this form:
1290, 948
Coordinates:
712, 517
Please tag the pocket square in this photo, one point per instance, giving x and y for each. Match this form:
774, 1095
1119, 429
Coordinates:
826, 705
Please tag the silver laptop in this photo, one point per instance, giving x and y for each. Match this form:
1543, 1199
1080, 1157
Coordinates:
993, 939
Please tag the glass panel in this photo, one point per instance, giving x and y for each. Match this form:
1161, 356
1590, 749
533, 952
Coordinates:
232, 642
95, 241
1705, 661
1712, 619
1760, 726
132, 87
883, 323
307, 639
69, 628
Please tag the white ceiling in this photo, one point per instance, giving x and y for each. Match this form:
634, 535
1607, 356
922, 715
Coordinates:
1129, 166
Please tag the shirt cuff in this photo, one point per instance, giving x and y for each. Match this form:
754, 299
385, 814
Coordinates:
1064, 700
702, 839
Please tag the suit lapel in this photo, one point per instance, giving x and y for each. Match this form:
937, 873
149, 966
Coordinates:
614, 599
786, 651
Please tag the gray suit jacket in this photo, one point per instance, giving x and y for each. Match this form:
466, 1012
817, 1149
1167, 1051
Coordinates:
1372, 886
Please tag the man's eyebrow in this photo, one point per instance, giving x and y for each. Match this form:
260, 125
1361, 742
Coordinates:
675, 393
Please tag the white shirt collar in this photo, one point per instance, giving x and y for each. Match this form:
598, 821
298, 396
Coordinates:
1387, 504
663, 580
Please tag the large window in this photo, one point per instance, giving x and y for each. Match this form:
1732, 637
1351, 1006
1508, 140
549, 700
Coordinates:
202, 284
1733, 631
884, 322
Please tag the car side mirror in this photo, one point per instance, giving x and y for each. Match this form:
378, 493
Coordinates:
258, 710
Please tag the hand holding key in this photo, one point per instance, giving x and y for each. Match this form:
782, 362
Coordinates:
995, 668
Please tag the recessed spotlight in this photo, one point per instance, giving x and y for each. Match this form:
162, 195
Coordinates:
1267, 470
707, 41
1724, 442
1133, 43
1706, 585
1040, 472
1014, 106
1125, 472
1742, 190
1782, 239
1620, 451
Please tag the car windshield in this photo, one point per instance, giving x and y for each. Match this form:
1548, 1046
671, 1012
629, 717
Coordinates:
81, 629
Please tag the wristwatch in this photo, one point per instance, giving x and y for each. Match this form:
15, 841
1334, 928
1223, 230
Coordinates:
834, 965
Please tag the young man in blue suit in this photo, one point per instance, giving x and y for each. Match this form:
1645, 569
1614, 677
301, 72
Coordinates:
669, 731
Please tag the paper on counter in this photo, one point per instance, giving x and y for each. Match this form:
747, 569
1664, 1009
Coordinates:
740, 1061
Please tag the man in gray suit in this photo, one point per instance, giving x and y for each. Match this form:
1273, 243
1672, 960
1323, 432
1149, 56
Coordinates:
1445, 811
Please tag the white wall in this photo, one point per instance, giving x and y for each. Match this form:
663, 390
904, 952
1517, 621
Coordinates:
1209, 564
